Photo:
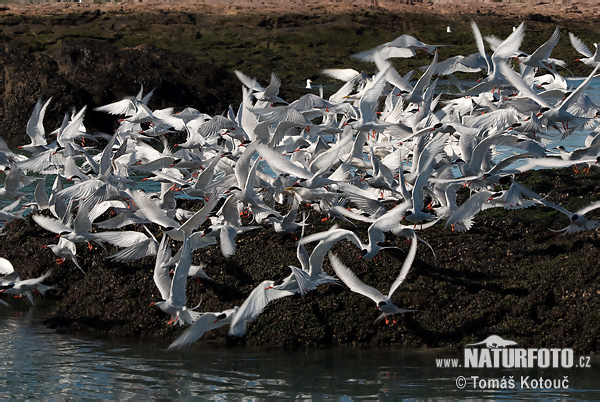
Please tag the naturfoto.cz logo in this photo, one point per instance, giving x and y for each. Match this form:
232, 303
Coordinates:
495, 352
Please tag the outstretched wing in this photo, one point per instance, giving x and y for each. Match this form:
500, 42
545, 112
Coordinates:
207, 322
352, 281
410, 257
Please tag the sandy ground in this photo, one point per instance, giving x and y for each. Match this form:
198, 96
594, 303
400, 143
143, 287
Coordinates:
556, 11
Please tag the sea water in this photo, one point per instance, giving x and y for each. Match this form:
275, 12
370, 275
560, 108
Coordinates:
39, 363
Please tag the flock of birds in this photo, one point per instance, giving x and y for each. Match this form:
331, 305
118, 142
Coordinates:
383, 149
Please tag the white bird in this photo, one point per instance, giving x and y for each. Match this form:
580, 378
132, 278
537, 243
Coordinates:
268, 94
15, 180
65, 250
563, 111
8, 272
24, 287
589, 59
505, 50
35, 127
578, 221
384, 303
541, 56
128, 106
206, 322
173, 290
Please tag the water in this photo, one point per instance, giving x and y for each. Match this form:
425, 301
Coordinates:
39, 363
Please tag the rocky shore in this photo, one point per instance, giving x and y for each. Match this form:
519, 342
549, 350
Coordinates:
510, 275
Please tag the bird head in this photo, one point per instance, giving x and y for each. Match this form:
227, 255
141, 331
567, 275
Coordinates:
381, 304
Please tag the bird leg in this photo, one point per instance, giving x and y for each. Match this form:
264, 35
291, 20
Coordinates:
89, 245
59, 261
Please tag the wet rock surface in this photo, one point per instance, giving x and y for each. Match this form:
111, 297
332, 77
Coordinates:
94, 73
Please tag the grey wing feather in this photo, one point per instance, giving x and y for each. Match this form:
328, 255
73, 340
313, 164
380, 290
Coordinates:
410, 257
352, 281
205, 323
161, 272
181, 274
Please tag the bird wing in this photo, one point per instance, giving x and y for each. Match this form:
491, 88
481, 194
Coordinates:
480, 45
200, 217
227, 240
139, 250
280, 164
73, 129
579, 45
33, 282
410, 257
35, 126
543, 52
342, 74
152, 211
352, 281
124, 106
161, 271
510, 45
465, 213
180, 275
206, 322
369, 100
303, 257
51, 224
6, 267
273, 89
248, 81
41, 198
254, 304
302, 279
574, 96
126, 238
425, 79
588, 208
517, 81
386, 223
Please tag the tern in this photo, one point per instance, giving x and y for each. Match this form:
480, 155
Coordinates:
173, 290
24, 287
384, 303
